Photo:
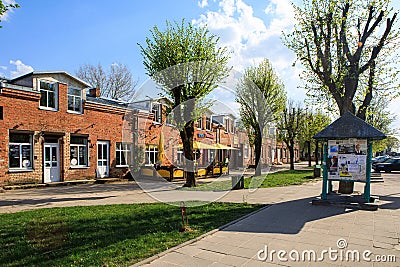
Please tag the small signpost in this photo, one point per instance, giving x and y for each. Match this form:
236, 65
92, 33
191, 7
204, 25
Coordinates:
348, 153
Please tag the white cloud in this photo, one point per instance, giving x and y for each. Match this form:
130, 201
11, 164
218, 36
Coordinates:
202, 3
251, 38
21, 68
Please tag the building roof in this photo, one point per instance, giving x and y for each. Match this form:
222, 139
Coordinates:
53, 72
350, 126
107, 101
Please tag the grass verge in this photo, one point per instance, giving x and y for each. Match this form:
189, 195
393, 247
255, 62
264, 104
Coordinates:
281, 178
112, 235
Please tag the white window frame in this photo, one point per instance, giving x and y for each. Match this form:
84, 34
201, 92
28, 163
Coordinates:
123, 149
246, 151
180, 157
151, 149
226, 124
74, 97
200, 123
21, 167
157, 113
71, 145
209, 120
47, 93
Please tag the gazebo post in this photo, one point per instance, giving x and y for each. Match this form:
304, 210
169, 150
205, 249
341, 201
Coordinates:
367, 188
325, 173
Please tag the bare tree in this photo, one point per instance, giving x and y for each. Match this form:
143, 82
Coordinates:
117, 83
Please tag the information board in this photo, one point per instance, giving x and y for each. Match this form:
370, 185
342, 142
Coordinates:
347, 159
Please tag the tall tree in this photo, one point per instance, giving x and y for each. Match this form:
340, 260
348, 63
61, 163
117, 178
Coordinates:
117, 83
290, 126
6, 7
348, 49
262, 97
187, 62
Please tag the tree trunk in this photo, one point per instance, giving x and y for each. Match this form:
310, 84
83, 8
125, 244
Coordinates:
187, 134
309, 153
291, 155
316, 152
257, 153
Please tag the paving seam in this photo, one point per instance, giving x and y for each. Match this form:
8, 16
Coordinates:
159, 255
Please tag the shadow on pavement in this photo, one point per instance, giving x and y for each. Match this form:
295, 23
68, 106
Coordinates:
286, 218
46, 201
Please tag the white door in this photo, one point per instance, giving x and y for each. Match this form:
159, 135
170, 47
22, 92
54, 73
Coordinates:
51, 163
103, 162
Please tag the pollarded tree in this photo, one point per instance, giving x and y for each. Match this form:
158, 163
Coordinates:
187, 62
348, 49
261, 96
290, 126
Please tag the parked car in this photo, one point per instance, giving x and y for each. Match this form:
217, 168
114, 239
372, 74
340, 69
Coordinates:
391, 164
380, 158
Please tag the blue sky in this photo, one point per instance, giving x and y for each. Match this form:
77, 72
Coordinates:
62, 35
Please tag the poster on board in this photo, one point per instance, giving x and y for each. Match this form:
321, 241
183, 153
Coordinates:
347, 159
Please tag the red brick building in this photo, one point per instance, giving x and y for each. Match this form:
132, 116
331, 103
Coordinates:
55, 127
52, 131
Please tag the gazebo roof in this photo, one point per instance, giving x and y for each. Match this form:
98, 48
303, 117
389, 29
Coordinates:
350, 126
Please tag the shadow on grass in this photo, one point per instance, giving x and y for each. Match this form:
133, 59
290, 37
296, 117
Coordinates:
115, 235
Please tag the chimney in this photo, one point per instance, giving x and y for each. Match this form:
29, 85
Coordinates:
94, 92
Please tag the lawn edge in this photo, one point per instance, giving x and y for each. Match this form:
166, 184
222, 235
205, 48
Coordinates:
191, 241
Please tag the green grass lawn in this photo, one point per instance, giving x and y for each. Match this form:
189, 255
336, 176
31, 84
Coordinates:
112, 235
281, 178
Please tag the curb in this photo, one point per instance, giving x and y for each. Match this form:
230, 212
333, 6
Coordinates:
159, 255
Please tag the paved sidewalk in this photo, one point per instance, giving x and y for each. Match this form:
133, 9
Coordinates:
292, 223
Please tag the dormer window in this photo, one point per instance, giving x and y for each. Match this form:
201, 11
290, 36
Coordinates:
208, 123
74, 100
48, 95
200, 123
227, 123
156, 110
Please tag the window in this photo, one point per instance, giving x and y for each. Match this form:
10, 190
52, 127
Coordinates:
123, 154
1, 113
226, 124
156, 110
246, 151
208, 123
151, 154
74, 100
79, 151
170, 119
200, 123
48, 95
20, 151
180, 157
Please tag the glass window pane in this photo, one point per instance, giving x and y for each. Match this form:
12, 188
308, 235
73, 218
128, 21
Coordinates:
82, 155
19, 138
70, 103
54, 154
14, 156
118, 158
51, 100
77, 105
26, 156
43, 98
78, 140
47, 153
